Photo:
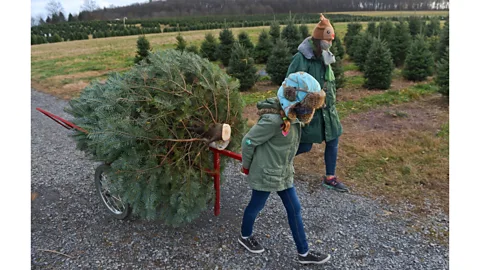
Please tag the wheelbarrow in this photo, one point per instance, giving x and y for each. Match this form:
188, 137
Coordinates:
114, 204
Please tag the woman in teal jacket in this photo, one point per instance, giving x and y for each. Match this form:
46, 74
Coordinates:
314, 57
268, 150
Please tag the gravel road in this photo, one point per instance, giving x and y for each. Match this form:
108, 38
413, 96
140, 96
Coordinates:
72, 230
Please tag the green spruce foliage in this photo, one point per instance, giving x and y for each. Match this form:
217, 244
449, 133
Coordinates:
242, 67
143, 49
361, 44
181, 44
378, 66
442, 78
244, 39
337, 67
337, 48
372, 29
192, 48
209, 47
274, 31
224, 49
432, 43
291, 34
278, 62
33, 39
353, 29
55, 38
416, 25
400, 44
263, 49
419, 62
142, 122
386, 29
304, 33
443, 43
433, 28
339, 73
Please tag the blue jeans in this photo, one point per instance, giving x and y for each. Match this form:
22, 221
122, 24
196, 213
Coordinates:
331, 151
292, 205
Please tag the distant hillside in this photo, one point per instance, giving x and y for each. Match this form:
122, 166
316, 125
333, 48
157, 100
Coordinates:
172, 8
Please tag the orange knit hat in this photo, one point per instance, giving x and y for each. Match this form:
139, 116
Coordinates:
323, 30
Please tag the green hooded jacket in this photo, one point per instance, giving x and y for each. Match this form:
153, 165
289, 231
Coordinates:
267, 153
325, 125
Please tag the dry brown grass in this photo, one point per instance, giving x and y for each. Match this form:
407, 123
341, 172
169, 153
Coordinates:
392, 152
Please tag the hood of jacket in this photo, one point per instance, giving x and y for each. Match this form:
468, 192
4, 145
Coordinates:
306, 48
272, 106
269, 105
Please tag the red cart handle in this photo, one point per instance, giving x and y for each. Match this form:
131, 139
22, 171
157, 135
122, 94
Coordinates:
64, 123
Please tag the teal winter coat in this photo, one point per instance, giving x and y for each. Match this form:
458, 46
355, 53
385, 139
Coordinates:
267, 153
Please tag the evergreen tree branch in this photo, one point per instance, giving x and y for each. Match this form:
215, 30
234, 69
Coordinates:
156, 88
206, 107
150, 139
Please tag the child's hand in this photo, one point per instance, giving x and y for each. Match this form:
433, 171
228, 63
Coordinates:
245, 171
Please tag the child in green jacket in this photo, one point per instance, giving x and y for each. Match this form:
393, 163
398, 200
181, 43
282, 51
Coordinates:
268, 150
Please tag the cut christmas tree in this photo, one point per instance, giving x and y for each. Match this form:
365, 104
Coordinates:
153, 125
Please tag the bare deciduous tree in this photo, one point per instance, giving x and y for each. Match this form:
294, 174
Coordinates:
89, 5
54, 7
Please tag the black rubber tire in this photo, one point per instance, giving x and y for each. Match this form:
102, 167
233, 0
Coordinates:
105, 197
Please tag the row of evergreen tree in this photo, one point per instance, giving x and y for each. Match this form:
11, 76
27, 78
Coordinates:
419, 49
274, 48
414, 47
68, 32
68, 29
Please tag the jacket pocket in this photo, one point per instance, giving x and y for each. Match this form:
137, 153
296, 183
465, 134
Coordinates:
273, 177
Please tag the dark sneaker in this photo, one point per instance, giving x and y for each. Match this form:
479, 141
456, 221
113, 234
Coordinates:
314, 258
334, 184
251, 244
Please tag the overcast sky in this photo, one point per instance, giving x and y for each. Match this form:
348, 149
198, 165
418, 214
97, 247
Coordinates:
73, 6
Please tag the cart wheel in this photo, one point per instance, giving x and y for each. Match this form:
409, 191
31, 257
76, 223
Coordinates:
113, 202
